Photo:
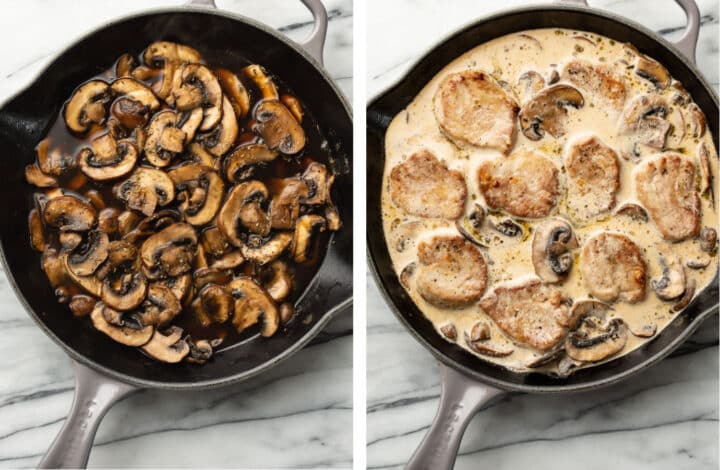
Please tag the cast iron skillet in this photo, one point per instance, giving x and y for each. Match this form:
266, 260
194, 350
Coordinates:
106, 371
467, 381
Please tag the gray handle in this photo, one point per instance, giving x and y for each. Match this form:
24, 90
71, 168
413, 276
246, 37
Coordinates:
460, 398
688, 42
315, 42
94, 395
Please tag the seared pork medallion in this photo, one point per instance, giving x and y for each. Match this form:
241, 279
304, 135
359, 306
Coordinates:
178, 205
548, 200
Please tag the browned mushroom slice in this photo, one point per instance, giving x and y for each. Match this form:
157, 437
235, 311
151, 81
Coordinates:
195, 85
202, 191
204, 276
671, 284
229, 260
547, 110
180, 286
55, 161
108, 158
68, 213
644, 331
160, 307
171, 250
35, 176
251, 303
306, 226
261, 250
696, 120
285, 205
241, 162
708, 239
199, 155
332, 217
161, 52
583, 307
278, 127
651, 70
213, 304
462, 103
267, 87
596, 78
243, 208
613, 268
552, 248
145, 190
280, 283
87, 106
632, 210
687, 296
319, 182
90, 254
214, 242
449, 331
645, 119
235, 91
164, 140
293, 104
108, 220
125, 291
592, 341
69, 240
530, 83
128, 332
136, 91
189, 122
37, 231
486, 349
224, 134
125, 65
706, 176
200, 351
89, 283
54, 267
168, 347
82, 305
127, 221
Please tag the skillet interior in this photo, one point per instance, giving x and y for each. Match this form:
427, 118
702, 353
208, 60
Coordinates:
381, 111
224, 41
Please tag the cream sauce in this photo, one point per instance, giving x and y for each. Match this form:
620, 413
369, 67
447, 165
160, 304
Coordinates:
509, 259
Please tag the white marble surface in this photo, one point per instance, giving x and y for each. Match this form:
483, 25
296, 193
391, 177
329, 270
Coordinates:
297, 415
665, 418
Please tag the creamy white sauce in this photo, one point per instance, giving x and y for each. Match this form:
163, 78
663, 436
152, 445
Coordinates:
509, 259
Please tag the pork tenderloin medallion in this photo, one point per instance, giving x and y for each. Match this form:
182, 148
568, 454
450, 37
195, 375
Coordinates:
532, 313
524, 184
666, 187
473, 109
613, 268
452, 272
593, 173
425, 187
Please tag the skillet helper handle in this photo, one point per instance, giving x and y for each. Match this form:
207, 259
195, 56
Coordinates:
460, 398
94, 395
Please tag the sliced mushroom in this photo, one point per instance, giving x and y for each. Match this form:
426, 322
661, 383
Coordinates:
546, 111
127, 221
168, 347
261, 251
507, 227
214, 242
69, 240
243, 207
697, 120
651, 70
180, 286
195, 85
487, 349
645, 118
552, 248
592, 341
200, 351
229, 260
125, 65
90, 254
318, 182
160, 52
35, 176
293, 104
304, 229
171, 250
632, 210
68, 213
89, 283
213, 304
700, 262
223, 136
55, 161
286, 312
406, 274
189, 122
267, 87
529, 84
585, 307
87, 106
124, 292
235, 91
204, 276
135, 90
687, 296
645, 331
128, 114
145, 189
241, 162
705, 170
672, 283
164, 140
708, 239
479, 332
37, 231
449, 331
202, 190
471, 225
280, 283
285, 205
278, 127
128, 333
82, 305
108, 158
160, 307
199, 155
251, 303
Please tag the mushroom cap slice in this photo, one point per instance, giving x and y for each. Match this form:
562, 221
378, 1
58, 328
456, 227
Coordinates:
55, 161
195, 85
136, 91
125, 65
230, 217
671, 284
68, 213
252, 302
91, 284
280, 283
235, 91
171, 250
37, 231
592, 342
189, 122
35, 176
213, 304
204, 276
87, 106
223, 136
645, 118
198, 154
546, 111
285, 205
651, 70
145, 189
204, 191
240, 163
552, 248
267, 87
306, 226
167, 347
129, 334
161, 52
90, 254
160, 307
180, 286
278, 127
319, 182
125, 293
261, 251
229, 260
164, 140
108, 158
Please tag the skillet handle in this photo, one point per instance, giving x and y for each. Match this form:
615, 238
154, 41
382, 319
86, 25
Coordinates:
94, 395
460, 398
688, 42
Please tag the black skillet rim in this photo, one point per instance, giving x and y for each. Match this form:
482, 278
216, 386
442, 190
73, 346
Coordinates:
687, 331
205, 384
